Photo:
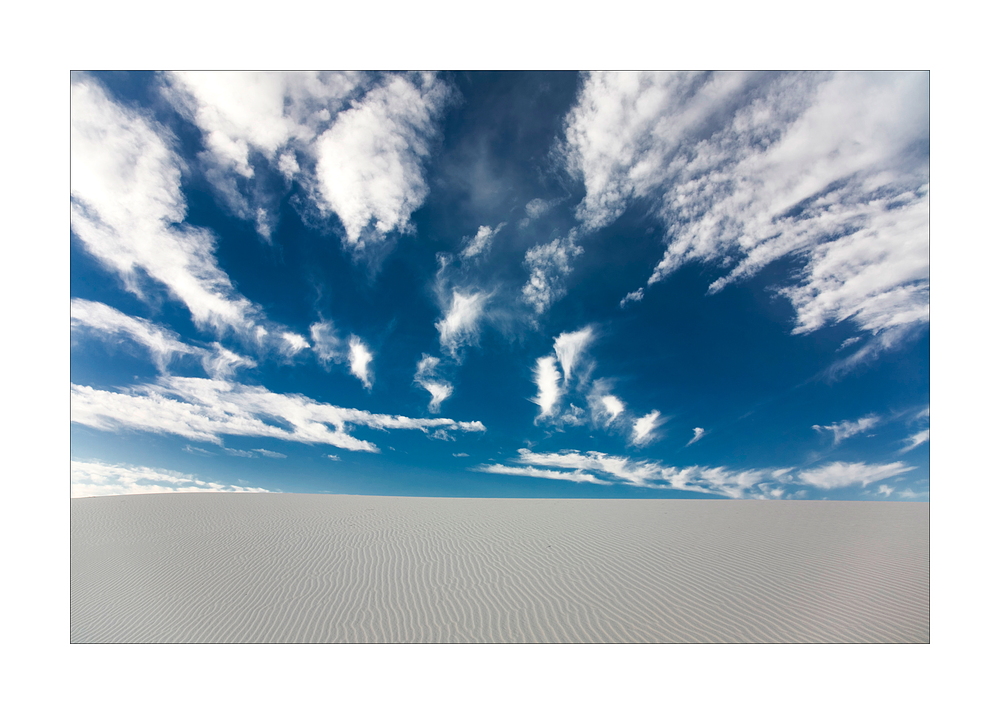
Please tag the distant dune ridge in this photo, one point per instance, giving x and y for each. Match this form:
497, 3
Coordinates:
222, 567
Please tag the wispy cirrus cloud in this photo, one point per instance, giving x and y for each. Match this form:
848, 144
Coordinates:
460, 325
846, 429
569, 346
480, 243
766, 483
915, 440
95, 478
576, 476
207, 410
426, 376
128, 210
329, 347
360, 358
839, 474
222, 363
599, 467
605, 407
548, 265
698, 434
292, 344
107, 322
270, 454
831, 168
326, 342
547, 380
644, 428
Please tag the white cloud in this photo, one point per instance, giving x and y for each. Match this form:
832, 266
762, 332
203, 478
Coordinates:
370, 162
572, 416
916, 440
884, 490
222, 363
643, 429
460, 455
128, 210
839, 474
480, 243
358, 146
292, 344
327, 345
830, 167
242, 114
605, 468
577, 476
698, 433
460, 325
100, 479
162, 344
548, 264
240, 452
569, 346
270, 454
634, 296
207, 409
570, 464
332, 457
536, 207
360, 358
426, 377
613, 406
605, 408
846, 429
547, 380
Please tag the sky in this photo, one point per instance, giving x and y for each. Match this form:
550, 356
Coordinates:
511, 284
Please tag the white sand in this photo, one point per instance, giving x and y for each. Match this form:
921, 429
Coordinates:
316, 568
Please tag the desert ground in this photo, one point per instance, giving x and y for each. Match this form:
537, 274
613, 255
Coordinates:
216, 567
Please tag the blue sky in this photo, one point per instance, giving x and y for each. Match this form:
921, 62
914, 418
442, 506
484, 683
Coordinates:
501, 284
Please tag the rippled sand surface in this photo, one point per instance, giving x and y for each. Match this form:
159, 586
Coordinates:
318, 568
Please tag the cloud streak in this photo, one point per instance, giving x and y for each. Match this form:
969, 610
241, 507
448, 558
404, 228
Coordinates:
207, 410
846, 429
599, 467
95, 478
107, 322
840, 474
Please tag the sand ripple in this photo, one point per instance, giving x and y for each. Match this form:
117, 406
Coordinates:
316, 568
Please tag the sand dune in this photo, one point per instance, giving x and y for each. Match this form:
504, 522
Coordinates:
316, 568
